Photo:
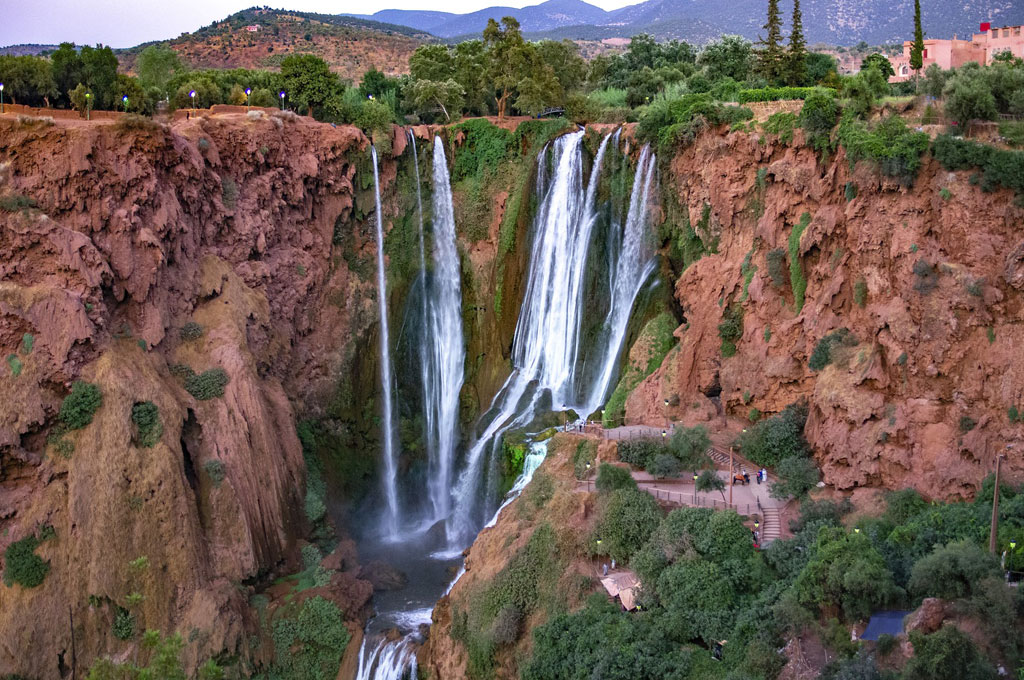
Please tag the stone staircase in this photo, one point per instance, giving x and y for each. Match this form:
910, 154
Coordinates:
771, 528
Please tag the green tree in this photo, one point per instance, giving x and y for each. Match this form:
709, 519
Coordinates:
730, 57
612, 477
27, 80
156, 65
935, 80
664, 465
68, 71
946, 654
797, 476
507, 59
770, 441
864, 90
845, 572
308, 81
968, 98
708, 481
952, 571
917, 50
138, 101
820, 67
700, 602
446, 95
432, 62
471, 74
207, 94
879, 61
567, 66
796, 58
538, 88
771, 56
628, 520
99, 71
690, 445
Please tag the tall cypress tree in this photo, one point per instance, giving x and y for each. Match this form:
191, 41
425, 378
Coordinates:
770, 58
917, 51
797, 56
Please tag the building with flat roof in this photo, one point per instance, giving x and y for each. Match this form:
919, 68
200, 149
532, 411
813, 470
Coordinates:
981, 48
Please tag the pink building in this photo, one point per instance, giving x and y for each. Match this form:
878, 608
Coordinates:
981, 48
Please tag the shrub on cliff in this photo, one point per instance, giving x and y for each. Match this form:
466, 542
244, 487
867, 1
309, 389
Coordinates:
308, 645
612, 477
947, 654
629, 518
797, 475
146, 417
22, 565
78, 408
191, 331
822, 354
730, 330
1001, 167
952, 571
777, 267
207, 385
782, 436
673, 123
891, 144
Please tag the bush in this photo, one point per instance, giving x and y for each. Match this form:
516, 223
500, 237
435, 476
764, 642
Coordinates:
823, 512
770, 441
822, 354
22, 565
78, 408
507, 625
850, 192
640, 452
146, 417
690, 445
310, 645
191, 331
664, 465
628, 520
207, 385
781, 124
797, 476
952, 571
797, 281
777, 267
1000, 167
123, 626
16, 203
860, 293
677, 122
771, 94
483, 150
946, 654
730, 329
926, 278
891, 144
612, 478
215, 471
583, 458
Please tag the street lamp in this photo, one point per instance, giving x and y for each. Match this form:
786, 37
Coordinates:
695, 488
124, 100
248, 91
192, 93
667, 421
1, 98
281, 94
88, 105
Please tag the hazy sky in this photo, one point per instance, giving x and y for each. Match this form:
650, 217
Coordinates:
124, 23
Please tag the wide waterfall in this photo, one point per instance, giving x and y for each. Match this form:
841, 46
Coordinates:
547, 342
390, 522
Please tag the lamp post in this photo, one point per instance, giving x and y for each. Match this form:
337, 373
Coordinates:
88, 106
248, 91
281, 94
192, 94
1, 98
668, 422
124, 100
695, 488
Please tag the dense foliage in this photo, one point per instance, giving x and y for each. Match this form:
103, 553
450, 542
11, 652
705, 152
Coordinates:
78, 408
774, 439
22, 565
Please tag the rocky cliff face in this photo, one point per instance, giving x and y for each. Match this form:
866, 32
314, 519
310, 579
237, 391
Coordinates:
229, 224
927, 279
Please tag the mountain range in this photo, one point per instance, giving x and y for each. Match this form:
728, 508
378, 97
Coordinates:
836, 22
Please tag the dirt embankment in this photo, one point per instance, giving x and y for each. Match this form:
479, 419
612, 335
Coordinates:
129, 234
928, 279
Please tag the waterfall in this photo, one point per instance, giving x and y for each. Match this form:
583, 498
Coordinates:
546, 348
388, 660
446, 349
390, 524
633, 265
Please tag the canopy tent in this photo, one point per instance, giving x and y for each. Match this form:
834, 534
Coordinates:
882, 623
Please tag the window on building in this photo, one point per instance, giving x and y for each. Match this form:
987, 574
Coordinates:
925, 55
1016, 31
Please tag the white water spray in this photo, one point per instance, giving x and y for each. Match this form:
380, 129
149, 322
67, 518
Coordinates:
390, 523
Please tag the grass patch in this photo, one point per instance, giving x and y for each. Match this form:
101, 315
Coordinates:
797, 281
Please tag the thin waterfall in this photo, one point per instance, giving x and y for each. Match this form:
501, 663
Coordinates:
634, 264
446, 350
390, 481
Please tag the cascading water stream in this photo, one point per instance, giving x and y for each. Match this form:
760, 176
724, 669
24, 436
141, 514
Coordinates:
446, 346
390, 481
634, 264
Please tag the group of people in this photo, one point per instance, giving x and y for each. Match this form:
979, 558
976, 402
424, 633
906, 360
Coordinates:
762, 475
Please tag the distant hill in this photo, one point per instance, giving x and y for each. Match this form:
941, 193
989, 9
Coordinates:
350, 45
26, 50
835, 22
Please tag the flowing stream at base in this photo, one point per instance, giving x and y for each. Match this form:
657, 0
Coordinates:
550, 372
